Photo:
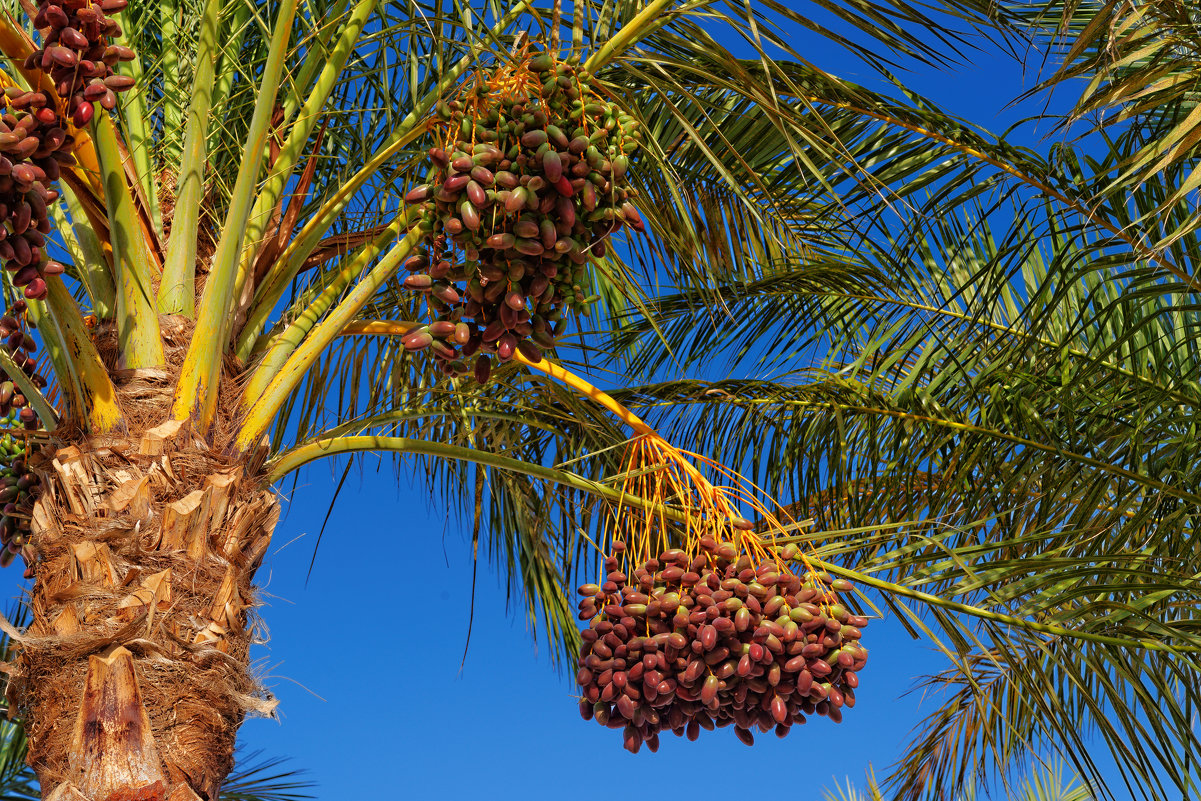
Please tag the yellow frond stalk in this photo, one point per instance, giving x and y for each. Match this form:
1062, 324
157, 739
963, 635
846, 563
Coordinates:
656, 477
659, 476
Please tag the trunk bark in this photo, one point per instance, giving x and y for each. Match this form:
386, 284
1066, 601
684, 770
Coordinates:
133, 677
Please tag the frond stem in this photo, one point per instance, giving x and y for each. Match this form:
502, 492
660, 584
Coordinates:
407, 131
974, 429
137, 318
649, 19
306, 339
334, 446
45, 412
586, 389
196, 392
985, 614
177, 293
90, 391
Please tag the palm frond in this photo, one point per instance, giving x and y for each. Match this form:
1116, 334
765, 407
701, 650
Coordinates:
1006, 422
259, 778
1137, 64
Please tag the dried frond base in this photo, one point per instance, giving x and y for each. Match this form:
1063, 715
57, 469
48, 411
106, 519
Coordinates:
139, 648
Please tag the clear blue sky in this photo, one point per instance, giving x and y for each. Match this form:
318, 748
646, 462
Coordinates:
371, 692
366, 660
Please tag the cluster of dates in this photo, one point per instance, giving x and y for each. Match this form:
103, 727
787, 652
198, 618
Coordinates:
529, 182
34, 142
19, 488
77, 55
690, 643
32, 147
20, 346
19, 485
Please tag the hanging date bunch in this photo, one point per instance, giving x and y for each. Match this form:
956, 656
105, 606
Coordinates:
19, 485
33, 145
77, 55
34, 142
528, 181
722, 628
689, 643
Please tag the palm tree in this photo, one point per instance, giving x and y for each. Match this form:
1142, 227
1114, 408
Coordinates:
231, 309
992, 449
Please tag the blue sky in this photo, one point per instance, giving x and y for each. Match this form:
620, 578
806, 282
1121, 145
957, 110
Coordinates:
365, 659
372, 694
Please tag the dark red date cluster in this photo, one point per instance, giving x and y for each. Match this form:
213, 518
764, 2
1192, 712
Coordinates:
77, 55
693, 642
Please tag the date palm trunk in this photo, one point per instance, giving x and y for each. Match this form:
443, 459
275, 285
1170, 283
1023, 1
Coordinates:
133, 676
